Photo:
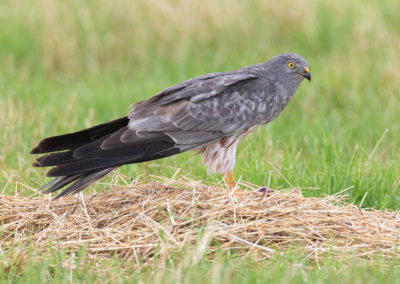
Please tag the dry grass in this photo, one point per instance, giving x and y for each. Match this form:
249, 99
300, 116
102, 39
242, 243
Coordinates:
143, 222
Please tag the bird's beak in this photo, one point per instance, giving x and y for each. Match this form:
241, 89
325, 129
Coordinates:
307, 74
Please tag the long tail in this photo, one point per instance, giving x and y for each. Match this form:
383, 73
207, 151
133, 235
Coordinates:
82, 158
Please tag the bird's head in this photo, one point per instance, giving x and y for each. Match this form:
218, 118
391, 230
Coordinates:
291, 65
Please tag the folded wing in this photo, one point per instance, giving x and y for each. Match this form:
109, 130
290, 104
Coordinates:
180, 118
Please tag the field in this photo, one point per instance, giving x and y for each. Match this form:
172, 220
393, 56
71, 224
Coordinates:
66, 65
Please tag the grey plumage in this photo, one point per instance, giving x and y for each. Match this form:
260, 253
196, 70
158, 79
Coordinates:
209, 114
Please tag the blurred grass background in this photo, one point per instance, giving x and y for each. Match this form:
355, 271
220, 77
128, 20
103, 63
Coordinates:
65, 65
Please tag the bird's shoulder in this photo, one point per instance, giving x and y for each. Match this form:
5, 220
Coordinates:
206, 86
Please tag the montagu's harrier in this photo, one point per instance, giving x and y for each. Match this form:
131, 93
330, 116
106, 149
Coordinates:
209, 114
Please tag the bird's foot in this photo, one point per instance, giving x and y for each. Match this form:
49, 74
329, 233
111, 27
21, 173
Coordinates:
230, 181
264, 191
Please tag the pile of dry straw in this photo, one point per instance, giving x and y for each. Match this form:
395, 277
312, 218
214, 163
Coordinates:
138, 222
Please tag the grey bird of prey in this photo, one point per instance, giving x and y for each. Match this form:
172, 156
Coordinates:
208, 114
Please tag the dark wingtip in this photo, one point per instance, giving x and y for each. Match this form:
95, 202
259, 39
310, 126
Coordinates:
58, 196
36, 164
53, 172
35, 150
63, 193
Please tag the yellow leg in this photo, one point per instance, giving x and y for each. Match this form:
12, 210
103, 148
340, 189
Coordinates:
230, 181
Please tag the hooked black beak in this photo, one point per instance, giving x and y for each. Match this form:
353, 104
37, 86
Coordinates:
307, 74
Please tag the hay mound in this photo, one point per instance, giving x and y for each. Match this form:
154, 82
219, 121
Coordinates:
139, 222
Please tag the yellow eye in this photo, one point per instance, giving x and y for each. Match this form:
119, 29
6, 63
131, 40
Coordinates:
290, 65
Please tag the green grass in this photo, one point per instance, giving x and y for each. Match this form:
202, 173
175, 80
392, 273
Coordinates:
61, 267
65, 65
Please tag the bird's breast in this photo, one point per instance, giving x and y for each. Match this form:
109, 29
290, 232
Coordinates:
219, 156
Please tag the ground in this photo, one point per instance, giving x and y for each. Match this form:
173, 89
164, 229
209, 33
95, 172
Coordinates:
69, 65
